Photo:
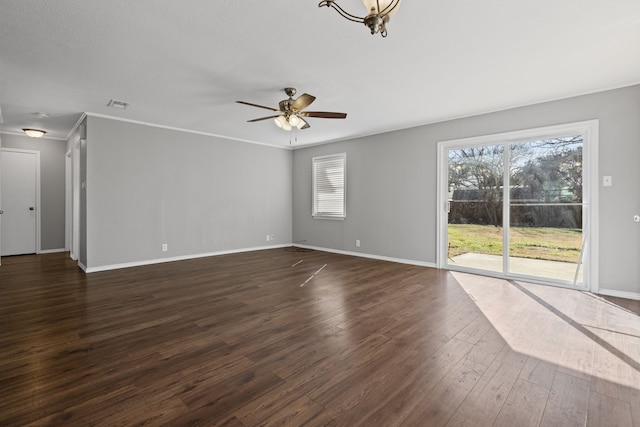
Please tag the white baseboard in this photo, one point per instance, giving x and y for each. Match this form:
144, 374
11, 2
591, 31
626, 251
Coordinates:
619, 294
82, 266
365, 255
176, 258
52, 251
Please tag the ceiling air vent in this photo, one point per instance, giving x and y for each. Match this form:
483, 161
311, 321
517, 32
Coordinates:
117, 104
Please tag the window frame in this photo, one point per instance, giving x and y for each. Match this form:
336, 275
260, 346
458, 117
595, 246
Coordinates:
315, 161
590, 132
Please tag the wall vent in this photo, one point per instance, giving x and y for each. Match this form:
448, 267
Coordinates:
118, 104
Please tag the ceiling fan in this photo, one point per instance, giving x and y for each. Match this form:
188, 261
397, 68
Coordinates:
289, 113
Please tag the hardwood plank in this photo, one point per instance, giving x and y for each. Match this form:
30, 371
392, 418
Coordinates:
607, 411
568, 402
404, 393
234, 340
524, 405
539, 372
484, 402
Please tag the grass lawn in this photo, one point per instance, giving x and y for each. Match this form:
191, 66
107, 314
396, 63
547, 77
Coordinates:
553, 244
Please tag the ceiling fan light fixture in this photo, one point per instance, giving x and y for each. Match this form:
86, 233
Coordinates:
282, 123
290, 113
34, 133
378, 13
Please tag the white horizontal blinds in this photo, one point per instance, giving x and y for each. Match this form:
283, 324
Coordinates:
329, 182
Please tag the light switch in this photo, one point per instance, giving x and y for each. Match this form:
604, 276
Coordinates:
606, 181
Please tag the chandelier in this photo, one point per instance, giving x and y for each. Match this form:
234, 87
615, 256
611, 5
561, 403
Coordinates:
378, 13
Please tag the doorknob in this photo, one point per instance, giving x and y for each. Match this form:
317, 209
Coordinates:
1, 211
31, 208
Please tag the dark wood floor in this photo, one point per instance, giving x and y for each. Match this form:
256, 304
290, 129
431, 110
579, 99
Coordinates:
258, 339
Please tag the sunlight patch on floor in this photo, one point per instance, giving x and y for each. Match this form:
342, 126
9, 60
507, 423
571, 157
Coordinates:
575, 330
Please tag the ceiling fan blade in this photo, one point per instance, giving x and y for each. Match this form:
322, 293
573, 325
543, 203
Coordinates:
324, 114
306, 124
256, 105
302, 102
265, 118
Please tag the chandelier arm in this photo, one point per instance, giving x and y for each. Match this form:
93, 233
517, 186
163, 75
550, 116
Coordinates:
341, 11
387, 10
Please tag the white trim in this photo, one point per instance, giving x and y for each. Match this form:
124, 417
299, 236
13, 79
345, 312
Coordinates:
234, 251
590, 130
75, 200
591, 269
38, 216
82, 267
176, 258
78, 123
620, 294
370, 256
155, 125
67, 199
52, 251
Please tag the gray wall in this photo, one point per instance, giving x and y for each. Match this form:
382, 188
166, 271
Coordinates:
199, 194
391, 183
52, 186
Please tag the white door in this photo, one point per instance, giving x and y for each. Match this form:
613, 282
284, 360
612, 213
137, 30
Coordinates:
19, 171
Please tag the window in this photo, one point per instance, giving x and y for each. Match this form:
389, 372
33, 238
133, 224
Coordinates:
329, 185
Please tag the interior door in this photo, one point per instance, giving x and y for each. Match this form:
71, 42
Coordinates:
19, 202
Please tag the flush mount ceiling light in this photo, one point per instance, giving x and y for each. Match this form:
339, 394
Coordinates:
379, 13
34, 133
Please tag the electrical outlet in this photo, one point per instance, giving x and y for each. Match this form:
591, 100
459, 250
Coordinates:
165, 247
357, 243
273, 237
268, 237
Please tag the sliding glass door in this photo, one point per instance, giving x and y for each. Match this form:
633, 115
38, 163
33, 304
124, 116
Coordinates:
475, 207
515, 208
545, 208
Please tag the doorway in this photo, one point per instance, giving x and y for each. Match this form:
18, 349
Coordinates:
20, 221
520, 204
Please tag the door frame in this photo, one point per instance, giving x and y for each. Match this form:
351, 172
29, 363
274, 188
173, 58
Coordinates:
72, 200
589, 130
38, 216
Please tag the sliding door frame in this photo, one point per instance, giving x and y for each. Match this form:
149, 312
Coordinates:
589, 131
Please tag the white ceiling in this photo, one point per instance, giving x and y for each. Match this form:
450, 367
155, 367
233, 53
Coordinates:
183, 64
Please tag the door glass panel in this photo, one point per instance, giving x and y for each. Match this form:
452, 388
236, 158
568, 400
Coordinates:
545, 209
475, 206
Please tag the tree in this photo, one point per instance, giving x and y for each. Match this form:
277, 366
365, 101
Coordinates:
479, 172
547, 170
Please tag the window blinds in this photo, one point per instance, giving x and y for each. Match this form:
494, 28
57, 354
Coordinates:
329, 182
